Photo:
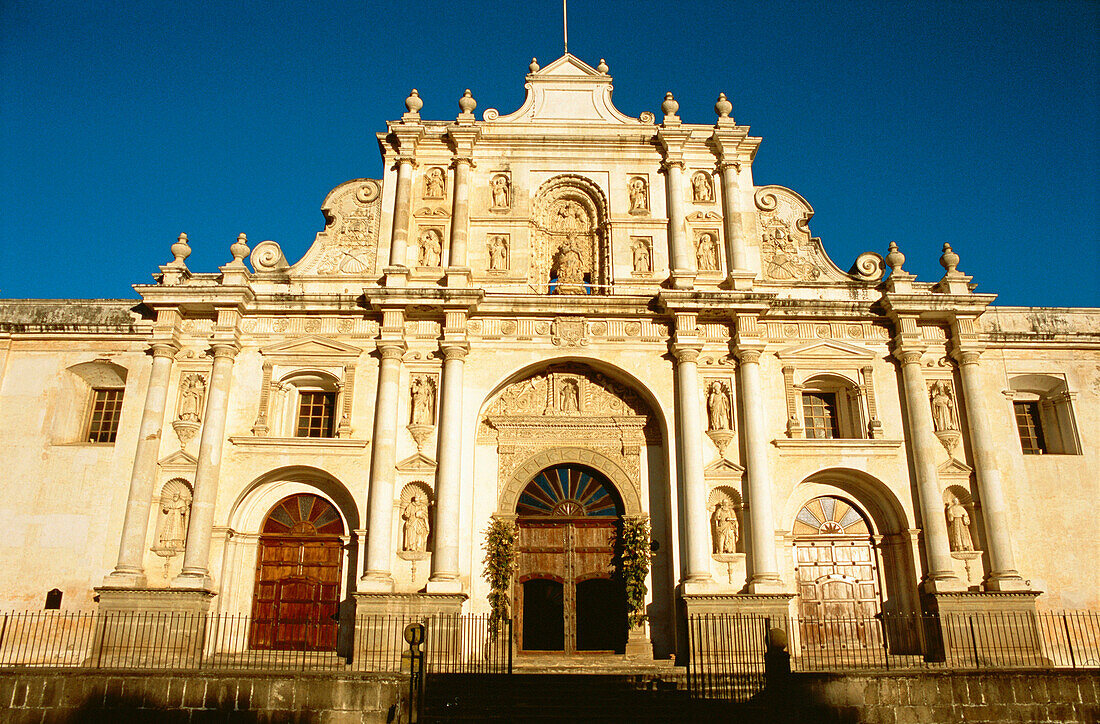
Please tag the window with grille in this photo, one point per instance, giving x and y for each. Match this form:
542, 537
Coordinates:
315, 413
819, 411
1030, 427
106, 410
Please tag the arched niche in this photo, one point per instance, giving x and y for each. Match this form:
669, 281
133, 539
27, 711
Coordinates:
570, 213
259, 497
887, 516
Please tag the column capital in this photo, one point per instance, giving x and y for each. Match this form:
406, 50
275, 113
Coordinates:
454, 349
391, 349
686, 351
672, 163
410, 160
463, 161
908, 355
967, 356
164, 348
748, 355
225, 349
723, 165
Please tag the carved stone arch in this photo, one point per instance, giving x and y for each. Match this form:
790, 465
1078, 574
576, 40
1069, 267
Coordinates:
261, 495
868, 493
522, 474
571, 209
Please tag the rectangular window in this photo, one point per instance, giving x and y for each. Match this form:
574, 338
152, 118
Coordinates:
106, 410
820, 414
315, 411
1030, 427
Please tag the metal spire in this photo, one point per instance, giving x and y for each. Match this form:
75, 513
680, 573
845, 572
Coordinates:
565, 22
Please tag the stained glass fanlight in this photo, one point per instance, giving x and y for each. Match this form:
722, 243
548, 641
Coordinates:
303, 514
829, 516
567, 492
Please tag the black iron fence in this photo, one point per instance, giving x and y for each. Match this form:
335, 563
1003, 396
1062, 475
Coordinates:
729, 652
159, 641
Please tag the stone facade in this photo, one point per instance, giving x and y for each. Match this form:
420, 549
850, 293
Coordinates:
564, 285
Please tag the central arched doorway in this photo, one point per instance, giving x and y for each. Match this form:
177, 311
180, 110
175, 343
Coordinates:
298, 569
567, 597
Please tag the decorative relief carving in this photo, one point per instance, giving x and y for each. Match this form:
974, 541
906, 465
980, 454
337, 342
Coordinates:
498, 252
500, 193
638, 189
599, 329
569, 243
702, 188
430, 247
542, 328
633, 329
569, 332
706, 251
434, 183
508, 327
349, 243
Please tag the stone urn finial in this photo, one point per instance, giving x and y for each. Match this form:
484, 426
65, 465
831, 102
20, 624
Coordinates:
413, 104
602, 67
949, 260
670, 106
180, 250
239, 249
723, 107
534, 67
466, 103
894, 258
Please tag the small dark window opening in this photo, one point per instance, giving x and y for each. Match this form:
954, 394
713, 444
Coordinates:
821, 415
53, 600
315, 414
1030, 427
106, 411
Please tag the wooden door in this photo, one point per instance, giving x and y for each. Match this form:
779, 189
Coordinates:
297, 593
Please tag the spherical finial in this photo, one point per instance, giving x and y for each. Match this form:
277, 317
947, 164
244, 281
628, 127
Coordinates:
413, 103
894, 258
949, 260
670, 106
534, 67
602, 67
239, 249
181, 250
466, 103
723, 107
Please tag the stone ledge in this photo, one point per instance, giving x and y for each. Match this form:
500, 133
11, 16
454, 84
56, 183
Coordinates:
334, 445
842, 446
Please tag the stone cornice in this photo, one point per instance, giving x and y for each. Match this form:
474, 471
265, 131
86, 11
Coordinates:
321, 445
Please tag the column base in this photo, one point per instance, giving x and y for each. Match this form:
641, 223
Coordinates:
740, 280
193, 582
699, 586
458, 277
396, 276
946, 584
125, 579
448, 586
773, 605
985, 627
408, 604
1007, 583
682, 279
381, 618
376, 583
767, 586
638, 645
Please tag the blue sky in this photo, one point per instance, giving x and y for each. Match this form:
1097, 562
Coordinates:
123, 124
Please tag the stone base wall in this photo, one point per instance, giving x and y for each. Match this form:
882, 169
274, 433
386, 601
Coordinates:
133, 696
900, 698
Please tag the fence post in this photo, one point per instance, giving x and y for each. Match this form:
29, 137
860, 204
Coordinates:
414, 637
1069, 642
973, 640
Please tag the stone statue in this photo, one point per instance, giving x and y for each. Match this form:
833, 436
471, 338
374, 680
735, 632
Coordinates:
433, 184
726, 530
638, 201
431, 248
570, 270
415, 515
498, 253
568, 397
958, 526
718, 407
499, 186
943, 408
642, 260
700, 188
570, 217
192, 392
707, 253
423, 401
175, 506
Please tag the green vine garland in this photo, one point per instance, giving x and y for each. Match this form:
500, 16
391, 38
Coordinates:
636, 556
500, 562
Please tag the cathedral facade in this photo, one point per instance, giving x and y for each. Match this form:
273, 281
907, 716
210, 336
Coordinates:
562, 318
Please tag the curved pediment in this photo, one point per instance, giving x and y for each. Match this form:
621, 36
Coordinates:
566, 91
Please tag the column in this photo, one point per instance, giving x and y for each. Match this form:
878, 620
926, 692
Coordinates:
940, 575
129, 571
196, 558
690, 453
448, 478
457, 270
765, 569
731, 217
377, 577
1003, 575
681, 257
402, 206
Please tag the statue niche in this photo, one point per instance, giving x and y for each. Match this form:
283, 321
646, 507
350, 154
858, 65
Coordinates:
570, 241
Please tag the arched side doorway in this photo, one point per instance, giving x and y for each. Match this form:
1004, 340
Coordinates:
836, 572
567, 598
297, 592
